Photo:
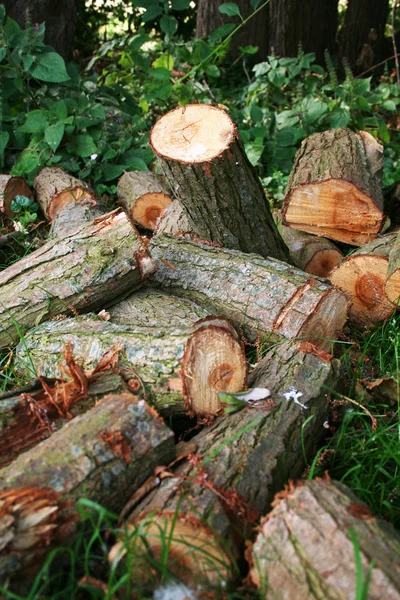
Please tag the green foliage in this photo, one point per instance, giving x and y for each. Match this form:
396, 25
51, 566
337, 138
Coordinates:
25, 209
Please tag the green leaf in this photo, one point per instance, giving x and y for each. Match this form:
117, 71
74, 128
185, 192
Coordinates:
2, 13
256, 114
180, 4
110, 172
221, 32
313, 109
50, 67
26, 162
255, 3
2, 53
83, 145
27, 61
254, 150
54, 134
36, 122
153, 11
168, 25
340, 118
11, 28
4, 137
212, 71
230, 9
389, 105
249, 49
137, 164
165, 61
160, 73
362, 86
61, 110
383, 131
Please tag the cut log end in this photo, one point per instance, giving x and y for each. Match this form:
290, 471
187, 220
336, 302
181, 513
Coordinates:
214, 361
148, 209
194, 555
193, 134
335, 209
362, 278
68, 196
327, 320
11, 187
323, 262
392, 287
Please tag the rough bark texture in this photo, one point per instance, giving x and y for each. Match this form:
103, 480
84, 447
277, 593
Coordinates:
9, 188
313, 254
305, 548
58, 15
55, 189
168, 362
254, 32
311, 23
174, 220
74, 216
392, 203
362, 37
246, 457
144, 196
264, 296
222, 194
392, 284
332, 191
362, 276
86, 271
104, 455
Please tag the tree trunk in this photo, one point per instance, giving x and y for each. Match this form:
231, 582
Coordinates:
9, 188
313, 254
334, 189
55, 189
209, 503
205, 165
362, 38
262, 296
104, 455
182, 370
58, 15
392, 285
85, 271
72, 217
311, 23
255, 32
174, 220
309, 544
144, 196
362, 276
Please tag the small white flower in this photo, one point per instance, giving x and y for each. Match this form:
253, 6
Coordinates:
174, 591
294, 395
326, 424
93, 156
141, 404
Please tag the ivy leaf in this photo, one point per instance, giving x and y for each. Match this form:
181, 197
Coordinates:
230, 9
54, 134
50, 67
168, 25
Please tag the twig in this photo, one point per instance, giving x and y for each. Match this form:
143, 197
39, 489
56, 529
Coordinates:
373, 419
377, 65
396, 56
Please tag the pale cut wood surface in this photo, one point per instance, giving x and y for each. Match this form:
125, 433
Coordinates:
144, 196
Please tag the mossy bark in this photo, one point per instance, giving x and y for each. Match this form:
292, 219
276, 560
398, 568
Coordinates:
306, 547
72, 217
81, 272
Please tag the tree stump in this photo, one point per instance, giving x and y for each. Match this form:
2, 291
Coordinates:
55, 189
104, 455
204, 162
9, 188
334, 189
144, 197
263, 296
182, 370
306, 547
362, 276
206, 505
85, 271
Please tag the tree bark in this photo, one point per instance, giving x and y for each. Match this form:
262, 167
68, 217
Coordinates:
392, 284
209, 503
311, 23
263, 296
144, 196
334, 189
362, 37
255, 32
56, 189
58, 15
104, 455
9, 188
85, 271
72, 217
204, 162
174, 220
307, 547
313, 254
362, 276
182, 370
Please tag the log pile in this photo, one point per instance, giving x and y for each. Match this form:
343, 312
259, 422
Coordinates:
107, 361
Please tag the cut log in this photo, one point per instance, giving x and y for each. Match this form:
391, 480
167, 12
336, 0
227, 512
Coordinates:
362, 276
264, 296
104, 455
392, 285
9, 188
55, 189
391, 195
206, 504
85, 271
182, 370
204, 162
72, 217
174, 220
334, 189
307, 548
144, 197
313, 254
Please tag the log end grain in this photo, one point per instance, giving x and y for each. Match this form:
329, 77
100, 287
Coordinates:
323, 262
149, 208
9, 188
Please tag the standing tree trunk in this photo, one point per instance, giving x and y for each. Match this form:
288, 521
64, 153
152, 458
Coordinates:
255, 32
362, 37
58, 15
311, 23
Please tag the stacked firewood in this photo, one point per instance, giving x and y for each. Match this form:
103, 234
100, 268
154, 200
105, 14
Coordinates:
120, 328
